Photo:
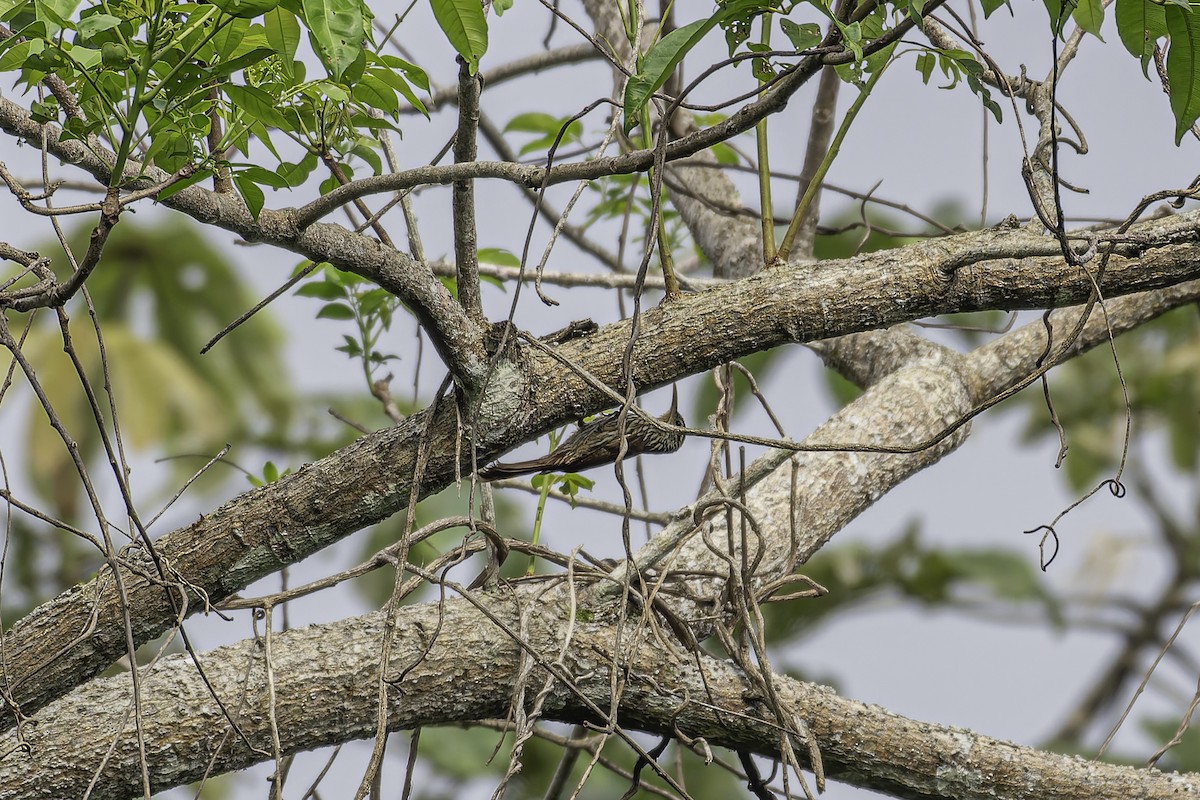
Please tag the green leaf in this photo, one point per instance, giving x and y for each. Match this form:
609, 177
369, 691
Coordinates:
35, 31
1089, 16
659, 63
363, 150
499, 257
252, 56
170, 150
925, 64
18, 55
245, 9
991, 5
412, 73
332, 182
664, 56
397, 81
283, 33
257, 104
323, 290
350, 348
227, 38
1182, 73
251, 194
264, 177
55, 12
43, 112
328, 90
179, 186
802, 36
335, 311
97, 23
1060, 11
549, 126
297, 174
852, 36
374, 93
533, 122
264, 136
572, 482
465, 26
985, 97
1139, 24
337, 31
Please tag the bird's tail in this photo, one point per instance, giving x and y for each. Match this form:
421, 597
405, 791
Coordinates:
500, 470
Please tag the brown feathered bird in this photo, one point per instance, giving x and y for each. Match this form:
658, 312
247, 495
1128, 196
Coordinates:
598, 442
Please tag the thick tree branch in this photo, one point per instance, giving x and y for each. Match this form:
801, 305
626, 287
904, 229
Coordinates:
456, 665
917, 389
257, 533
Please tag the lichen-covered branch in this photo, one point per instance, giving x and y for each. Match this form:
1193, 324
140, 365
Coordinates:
456, 665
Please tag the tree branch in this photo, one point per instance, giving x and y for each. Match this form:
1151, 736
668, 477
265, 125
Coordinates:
466, 238
458, 339
456, 665
257, 533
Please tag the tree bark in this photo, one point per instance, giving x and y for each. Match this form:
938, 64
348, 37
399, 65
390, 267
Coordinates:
457, 665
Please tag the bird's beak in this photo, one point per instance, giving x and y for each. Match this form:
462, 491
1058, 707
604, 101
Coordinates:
674, 402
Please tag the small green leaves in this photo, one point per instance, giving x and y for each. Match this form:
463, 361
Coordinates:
958, 65
569, 483
465, 26
270, 474
351, 298
552, 129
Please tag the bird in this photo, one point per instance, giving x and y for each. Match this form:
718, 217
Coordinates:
597, 442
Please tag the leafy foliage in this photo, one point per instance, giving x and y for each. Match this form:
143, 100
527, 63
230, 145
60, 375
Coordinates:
162, 78
908, 568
